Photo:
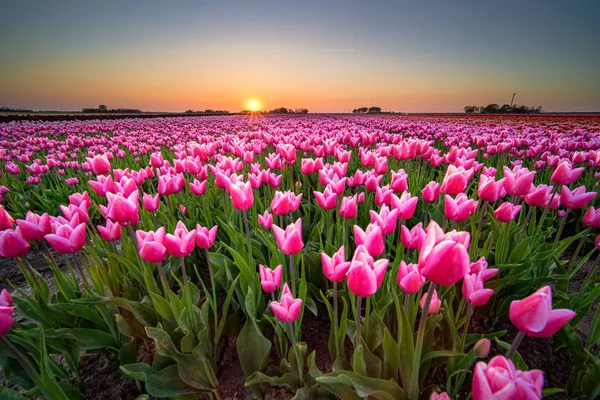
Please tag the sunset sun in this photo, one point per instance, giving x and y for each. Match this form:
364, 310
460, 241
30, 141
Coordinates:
253, 105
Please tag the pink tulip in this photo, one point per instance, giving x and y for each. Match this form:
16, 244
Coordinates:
290, 240
66, 239
409, 278
431, 192
459, 209
181, 242
6, 312
518, 181
241, 194
538, 196
6, 221
406, 205
266, 220
287, 309
564, 174
444, 258
576, 199
399, 182
151, 203
489, 189
111, 232
285, 202
365, 275
80, 198
156, 160
482, 347
434, 304
348, 207
473, 290
506, 212
12, 243
412, 239
198, 188
456, 180
386, 219
123, 209
326, 200
71, 210
534, 314
590, 218
481, 267
152, 245
439, 396
371, 238
499, 379
99, 164
270, 279
335, 268
34, 227
205, 238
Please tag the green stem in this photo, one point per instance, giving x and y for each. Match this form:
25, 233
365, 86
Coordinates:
293, 274
562, 226
22, 359
469, 315
248, 235
578, 249
335, 319
183, 271
413, 392
515, 344
295, 349
358, 318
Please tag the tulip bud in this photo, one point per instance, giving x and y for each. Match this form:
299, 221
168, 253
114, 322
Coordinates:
482, 348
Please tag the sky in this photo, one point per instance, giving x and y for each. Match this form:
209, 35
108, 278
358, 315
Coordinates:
327, 56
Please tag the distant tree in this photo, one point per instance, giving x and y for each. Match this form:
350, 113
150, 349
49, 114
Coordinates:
102, 108
354, 111
374, 110
470, 109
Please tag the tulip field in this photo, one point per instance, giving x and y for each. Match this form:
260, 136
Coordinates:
302, 256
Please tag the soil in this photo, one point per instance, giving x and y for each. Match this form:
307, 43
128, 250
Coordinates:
101, 379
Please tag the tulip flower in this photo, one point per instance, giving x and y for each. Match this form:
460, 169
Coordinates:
181, 242
518, 181
152, 245
34, 227
266, 220
365, 275
410, 278
66, 239
336, 267
399, 182
205, 238
290, 240
348, 207
123, 209
12, 243
326, 200
385, 219
534, 315
371, 238
198, 188
439, 396
6, 221
270, 279
431, 192
444, 258
564, 174
482, 348
412, 239
151, 203
456, 180
71, 210
406, 205
459, 209
473, 290
481, 267
285, 202
590, 218
538, 196
241, 194
111, 232
506, 212
287, 309
80, 198
99, 164
489, 189
499, 379
434, 305
576, 199
6, 312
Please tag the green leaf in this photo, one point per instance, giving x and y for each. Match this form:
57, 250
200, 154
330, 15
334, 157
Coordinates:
9, 394
337, 383
163, 383
288, 380
516, 358
253, 348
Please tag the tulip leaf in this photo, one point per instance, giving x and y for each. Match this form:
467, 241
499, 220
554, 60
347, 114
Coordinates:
9, 394
253, 349
163, 383
349, 385
287, 380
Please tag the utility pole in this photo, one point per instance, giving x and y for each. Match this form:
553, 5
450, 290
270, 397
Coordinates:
513, 98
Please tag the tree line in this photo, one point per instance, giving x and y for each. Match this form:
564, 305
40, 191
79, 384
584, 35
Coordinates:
367, 110
280, 110
103, 109
504, 109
